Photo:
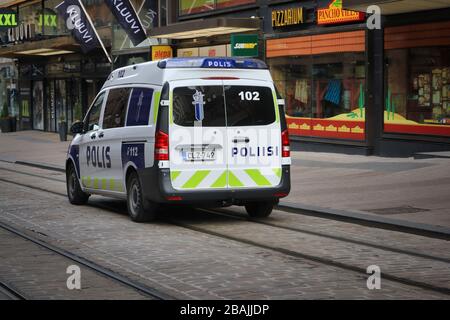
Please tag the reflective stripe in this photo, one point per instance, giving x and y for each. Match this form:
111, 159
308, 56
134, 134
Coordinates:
195, 180
201, 179
104, 187
221, 182
233, 181
256, 175
277, 109
174, 174
277, 172
156, 106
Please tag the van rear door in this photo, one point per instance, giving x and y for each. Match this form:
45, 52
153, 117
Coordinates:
253, 134
197, 135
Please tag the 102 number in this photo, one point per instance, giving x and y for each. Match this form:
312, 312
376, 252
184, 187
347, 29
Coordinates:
249, 95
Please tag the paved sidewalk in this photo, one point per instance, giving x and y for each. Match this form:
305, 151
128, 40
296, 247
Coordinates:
404, 189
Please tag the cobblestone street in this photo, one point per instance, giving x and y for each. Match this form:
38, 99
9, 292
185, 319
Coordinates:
204, 254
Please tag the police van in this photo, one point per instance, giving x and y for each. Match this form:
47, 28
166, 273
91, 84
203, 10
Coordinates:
194, 131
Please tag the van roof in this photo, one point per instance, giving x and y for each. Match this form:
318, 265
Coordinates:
158, 72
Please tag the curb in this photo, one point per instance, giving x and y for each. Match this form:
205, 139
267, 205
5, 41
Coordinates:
367, 219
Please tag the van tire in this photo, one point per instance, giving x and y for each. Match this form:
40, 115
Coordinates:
74, 193
259, 209
139, 210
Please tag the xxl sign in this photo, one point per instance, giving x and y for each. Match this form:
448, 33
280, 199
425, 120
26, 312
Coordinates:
8, 18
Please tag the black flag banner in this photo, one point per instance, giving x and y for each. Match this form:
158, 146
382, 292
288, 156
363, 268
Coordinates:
126, 16
79, 24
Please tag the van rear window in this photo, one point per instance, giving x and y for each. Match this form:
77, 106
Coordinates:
202, 105
219, 106
249, 106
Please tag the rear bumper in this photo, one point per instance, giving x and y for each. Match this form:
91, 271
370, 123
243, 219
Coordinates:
157, 187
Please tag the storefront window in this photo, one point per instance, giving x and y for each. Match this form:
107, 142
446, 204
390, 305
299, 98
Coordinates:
324, 94
192, 7
53, 25
418, 91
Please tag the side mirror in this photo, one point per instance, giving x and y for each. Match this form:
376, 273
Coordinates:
77, 127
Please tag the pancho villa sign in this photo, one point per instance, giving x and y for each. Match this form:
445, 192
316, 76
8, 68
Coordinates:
128, 19
335, 14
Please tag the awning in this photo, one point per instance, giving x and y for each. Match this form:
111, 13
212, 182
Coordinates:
205, 28
389, 7
52, 46
8, 3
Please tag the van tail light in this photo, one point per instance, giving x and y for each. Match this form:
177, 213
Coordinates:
161, 146
286, 148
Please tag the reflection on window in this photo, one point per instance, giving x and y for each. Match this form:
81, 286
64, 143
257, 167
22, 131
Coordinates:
116, 108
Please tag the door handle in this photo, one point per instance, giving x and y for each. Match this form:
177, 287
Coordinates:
241, 139
93, 136
101, 135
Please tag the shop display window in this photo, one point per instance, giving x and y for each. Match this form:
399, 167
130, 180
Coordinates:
417, 91
324, 94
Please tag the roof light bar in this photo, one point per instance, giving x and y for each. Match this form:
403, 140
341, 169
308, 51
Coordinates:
212, 63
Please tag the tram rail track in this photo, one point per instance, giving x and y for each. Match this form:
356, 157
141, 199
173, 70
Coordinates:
351, 217
11, 292
115, 276
295, 254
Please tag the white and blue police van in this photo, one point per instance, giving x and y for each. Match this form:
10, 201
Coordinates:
194, 131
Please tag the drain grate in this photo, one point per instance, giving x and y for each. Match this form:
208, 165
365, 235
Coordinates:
397, 210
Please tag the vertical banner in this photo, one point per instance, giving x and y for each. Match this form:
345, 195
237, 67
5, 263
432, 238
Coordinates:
126, 16
79, 25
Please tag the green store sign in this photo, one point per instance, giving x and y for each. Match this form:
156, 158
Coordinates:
244, 45
8, 18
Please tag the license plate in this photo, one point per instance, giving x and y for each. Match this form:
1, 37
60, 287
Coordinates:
208, 155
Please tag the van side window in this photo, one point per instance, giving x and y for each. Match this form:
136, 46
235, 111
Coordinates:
139, 107
91, 121
116, 108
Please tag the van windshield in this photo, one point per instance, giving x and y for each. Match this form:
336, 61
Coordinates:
219, 106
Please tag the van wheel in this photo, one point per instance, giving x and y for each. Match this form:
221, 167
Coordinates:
74, 192
138, 210
259, 209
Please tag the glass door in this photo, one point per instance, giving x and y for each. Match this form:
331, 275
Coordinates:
38, 105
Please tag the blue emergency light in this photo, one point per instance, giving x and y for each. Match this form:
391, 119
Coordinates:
212, 63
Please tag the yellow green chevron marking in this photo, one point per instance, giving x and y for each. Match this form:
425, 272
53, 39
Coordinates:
104, 184
256, 176
196, 179
233, 181
277, 172
112, 183
174, 174
95, 183
221, 182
